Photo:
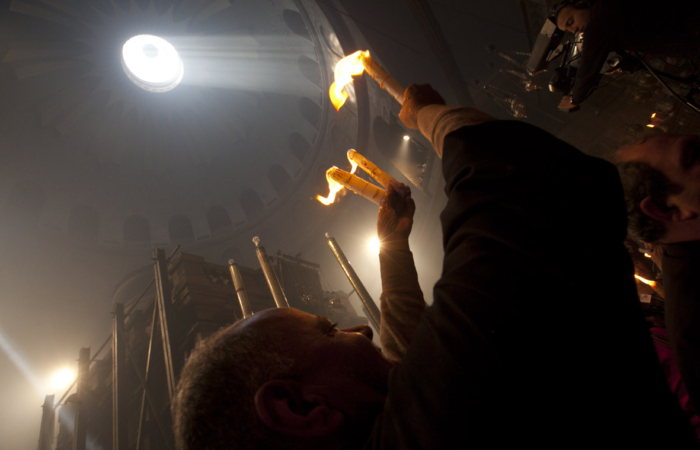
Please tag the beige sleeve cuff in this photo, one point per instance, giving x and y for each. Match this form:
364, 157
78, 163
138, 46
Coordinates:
437, 121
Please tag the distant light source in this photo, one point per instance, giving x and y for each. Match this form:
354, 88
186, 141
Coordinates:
406, 137
152, 63
650, 125
63, 379
374, 245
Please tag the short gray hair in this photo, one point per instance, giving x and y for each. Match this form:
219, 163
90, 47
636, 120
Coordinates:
213, 408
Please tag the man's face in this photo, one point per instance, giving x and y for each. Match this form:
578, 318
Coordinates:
344, 363
678, 158
573, 19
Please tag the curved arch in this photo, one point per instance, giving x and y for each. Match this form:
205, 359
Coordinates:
310, 111
84, 222
136, 229
300, 146
180, 229
295, 22
387, 137
310, 69
279, 178
218, 219
251, 203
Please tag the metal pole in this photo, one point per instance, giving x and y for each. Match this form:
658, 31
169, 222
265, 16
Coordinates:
148, 396
165, 306
48, 420
119, 436
240, 288
270, 276
142, 414
81, 412
107, 341
374, 314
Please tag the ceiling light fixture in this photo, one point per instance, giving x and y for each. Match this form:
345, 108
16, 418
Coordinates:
152, 63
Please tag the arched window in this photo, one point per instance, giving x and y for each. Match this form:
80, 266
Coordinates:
310, 111
136, 229
218, 219
25, 203
389, 138
295, 23
279, 178
310, 69
251, 203
300, 146
84, 223
180, 229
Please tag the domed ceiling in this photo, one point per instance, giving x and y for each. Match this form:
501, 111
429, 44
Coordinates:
88, 153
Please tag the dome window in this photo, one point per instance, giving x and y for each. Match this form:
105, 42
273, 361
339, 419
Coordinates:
152, 63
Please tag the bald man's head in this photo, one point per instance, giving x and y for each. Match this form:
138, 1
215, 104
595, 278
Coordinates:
281, 379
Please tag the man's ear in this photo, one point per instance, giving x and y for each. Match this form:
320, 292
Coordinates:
657, 212
670, 213
291, 409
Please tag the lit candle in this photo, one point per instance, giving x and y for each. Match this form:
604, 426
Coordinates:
357, 185
355, 64
368, 166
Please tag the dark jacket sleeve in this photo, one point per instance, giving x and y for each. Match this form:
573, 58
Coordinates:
681, 269
401, 302
509, 353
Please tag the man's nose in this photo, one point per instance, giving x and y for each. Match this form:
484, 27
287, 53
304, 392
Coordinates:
362, 329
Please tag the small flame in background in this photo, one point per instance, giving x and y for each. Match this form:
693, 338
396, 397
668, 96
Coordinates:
344, 71
645, 281
333, 186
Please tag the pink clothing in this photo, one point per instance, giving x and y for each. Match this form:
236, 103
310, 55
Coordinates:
673, 376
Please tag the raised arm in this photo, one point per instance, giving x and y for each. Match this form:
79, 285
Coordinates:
402, 302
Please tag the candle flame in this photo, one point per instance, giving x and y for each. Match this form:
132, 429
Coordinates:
344, 71
333, 186
653, 115
645, 281
650, 125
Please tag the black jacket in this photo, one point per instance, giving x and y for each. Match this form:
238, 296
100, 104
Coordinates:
517, 349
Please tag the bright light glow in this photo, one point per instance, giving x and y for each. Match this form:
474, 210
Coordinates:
374, 245
346, 68
333, 186
406, 137
653, 115
63, 378
647, 255
152, 63
645, 281
650, 125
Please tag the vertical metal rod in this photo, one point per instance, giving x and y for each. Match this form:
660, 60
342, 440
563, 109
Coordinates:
240, 288
148, 397
48, 420
270, 276
81, 412
142, 414
118, 382
164, 304
374, 314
